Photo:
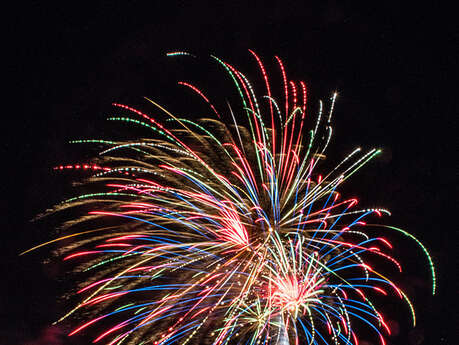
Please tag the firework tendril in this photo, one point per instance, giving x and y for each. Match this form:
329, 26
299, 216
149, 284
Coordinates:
214, 232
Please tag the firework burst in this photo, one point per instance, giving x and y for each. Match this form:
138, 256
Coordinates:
212, 232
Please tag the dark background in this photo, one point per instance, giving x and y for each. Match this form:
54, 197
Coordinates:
390, 63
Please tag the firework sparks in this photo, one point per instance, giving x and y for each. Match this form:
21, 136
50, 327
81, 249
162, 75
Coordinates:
225, 230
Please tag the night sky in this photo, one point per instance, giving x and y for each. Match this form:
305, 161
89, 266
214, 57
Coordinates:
390, 64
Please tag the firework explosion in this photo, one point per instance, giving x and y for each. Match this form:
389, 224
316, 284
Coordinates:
212, 232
